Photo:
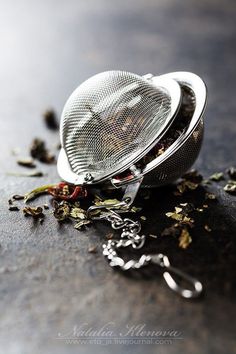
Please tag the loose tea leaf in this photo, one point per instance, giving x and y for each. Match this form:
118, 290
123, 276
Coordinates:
39, 151
184, 239
17, 197
230, 187
78, 213
211, 196
218, 176
26, 163
32, 174
61, 211
82, 223
50, 119
13, 208
36, 212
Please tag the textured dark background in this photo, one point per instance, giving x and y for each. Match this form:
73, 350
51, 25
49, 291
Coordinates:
48, 281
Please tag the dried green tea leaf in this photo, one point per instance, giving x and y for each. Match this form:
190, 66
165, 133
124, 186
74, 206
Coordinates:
26, 163
17, 197
78, 213
184, 239
32, 174
143, 218
13, 208
178, 210
61, 211
218, 176
175, 216
230, 187
211, 196
191, 185
82, 223
106, 202
39, 151
50, 119
135, 209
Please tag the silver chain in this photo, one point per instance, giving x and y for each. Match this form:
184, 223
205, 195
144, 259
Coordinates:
130, 237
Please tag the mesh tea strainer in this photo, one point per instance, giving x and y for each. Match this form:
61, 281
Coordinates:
109, 127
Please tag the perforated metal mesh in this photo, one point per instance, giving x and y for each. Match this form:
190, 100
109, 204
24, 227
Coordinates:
110, 119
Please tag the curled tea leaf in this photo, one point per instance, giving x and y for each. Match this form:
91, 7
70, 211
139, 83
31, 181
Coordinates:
82, 223
36, 212
230, 187
39, 151
78, 213
61, 211
218, 176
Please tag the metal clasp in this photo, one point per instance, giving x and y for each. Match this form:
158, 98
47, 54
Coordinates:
163, 261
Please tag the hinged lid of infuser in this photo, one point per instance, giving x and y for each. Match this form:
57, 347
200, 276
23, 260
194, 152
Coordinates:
112, 120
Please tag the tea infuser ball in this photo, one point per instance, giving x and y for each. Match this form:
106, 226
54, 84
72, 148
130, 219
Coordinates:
115, 118
111, 129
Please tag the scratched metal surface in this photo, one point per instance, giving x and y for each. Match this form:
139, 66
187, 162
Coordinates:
49, 283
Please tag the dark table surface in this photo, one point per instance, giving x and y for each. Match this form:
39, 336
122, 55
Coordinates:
49, 282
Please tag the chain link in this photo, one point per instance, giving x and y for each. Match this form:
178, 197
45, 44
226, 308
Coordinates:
130, 237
